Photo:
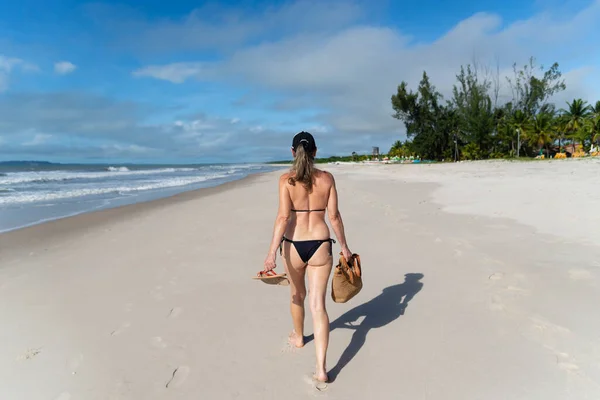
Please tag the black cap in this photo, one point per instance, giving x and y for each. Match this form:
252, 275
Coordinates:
306, 140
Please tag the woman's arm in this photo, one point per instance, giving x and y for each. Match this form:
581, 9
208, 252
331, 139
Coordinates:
335, 217
281, 221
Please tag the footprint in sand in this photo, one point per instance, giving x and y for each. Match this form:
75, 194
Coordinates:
120, 329
546, 333
128, 307
542, 325
496, 276
318, 385
175, 312
179, 376
566, 363
63, 396
578, 274
29, 354
158, 342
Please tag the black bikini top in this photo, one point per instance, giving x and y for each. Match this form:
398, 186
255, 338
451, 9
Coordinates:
322, 209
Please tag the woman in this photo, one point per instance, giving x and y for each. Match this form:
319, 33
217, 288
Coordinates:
303, 238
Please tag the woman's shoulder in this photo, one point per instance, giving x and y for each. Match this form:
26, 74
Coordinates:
284, 178
324, 174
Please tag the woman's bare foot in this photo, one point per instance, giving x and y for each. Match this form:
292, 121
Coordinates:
295, 339
321, 376
320, 380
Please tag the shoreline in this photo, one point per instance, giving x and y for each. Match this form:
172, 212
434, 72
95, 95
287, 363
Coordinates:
73, 224
31, 196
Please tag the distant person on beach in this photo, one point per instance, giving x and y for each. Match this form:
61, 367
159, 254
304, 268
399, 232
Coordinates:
303, 239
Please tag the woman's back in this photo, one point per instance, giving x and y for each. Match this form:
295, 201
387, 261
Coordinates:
308, 208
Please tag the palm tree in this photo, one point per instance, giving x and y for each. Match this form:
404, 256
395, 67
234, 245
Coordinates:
395, 149
506, 131
593, 130
576, 117
521, 123
594, 123
541, 132
595, 109
560, 126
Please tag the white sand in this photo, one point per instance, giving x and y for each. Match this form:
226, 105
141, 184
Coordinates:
155, 301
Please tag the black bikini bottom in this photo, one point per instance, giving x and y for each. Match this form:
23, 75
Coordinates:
306, 248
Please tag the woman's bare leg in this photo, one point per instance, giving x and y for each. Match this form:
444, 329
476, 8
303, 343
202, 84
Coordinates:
318, 277
295, 269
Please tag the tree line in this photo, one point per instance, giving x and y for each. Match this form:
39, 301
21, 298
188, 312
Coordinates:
474, 124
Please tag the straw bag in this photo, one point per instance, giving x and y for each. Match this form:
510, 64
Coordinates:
347, 279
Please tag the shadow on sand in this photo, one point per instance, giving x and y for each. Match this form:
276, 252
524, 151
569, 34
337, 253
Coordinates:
377, 312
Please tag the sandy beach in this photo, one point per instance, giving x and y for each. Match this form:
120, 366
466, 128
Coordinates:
481, 282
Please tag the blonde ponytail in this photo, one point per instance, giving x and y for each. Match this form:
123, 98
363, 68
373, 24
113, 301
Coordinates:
302, 169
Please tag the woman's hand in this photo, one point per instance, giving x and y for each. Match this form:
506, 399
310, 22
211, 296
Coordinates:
347, 253
270, 263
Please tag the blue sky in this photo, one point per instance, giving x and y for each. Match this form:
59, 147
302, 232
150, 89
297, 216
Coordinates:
187, 81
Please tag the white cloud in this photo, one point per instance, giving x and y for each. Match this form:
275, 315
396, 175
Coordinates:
97, 127
220, 27
64, 67
305, 64
9, 65
38, 139
195, 127
114, 150
351, 74
176, 73
319, 129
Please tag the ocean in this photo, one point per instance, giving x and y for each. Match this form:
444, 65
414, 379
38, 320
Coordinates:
31, 193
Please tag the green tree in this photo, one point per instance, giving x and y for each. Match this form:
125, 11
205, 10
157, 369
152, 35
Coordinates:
576, 117
561, 129
472, 124
594, 123
541, 133
531, 93
594, 128
451, 124
506, 132
521, 123
595, 109
474, 108
422, 115
397, 149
